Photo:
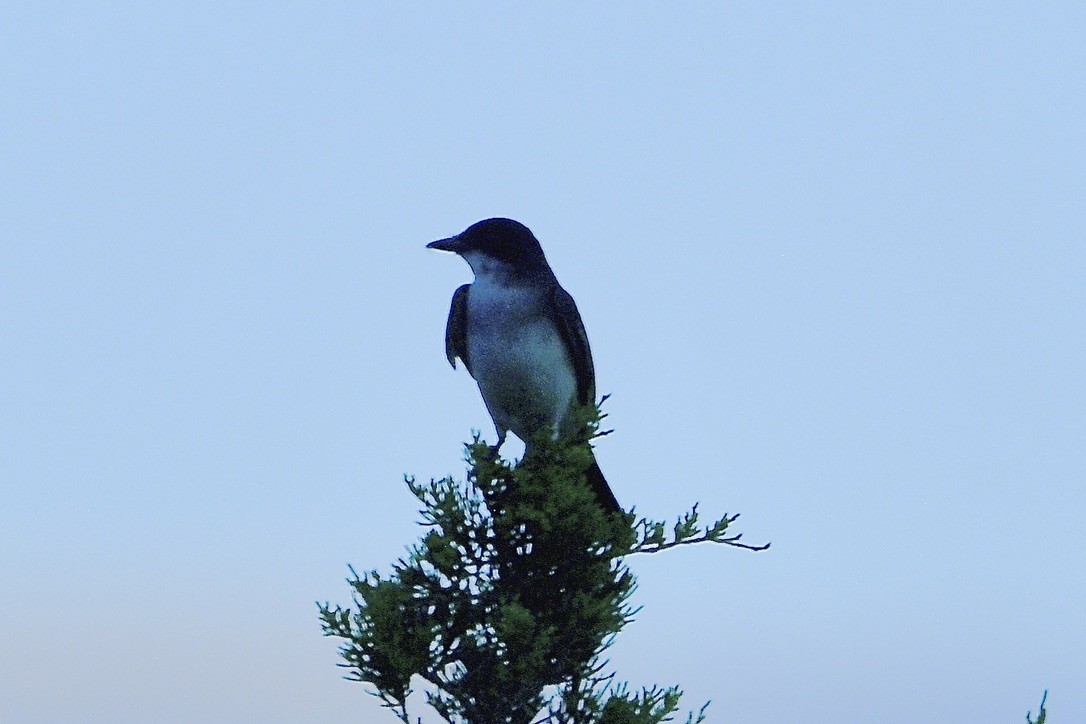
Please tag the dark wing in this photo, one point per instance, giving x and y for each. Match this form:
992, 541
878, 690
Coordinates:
571, 329
456, 331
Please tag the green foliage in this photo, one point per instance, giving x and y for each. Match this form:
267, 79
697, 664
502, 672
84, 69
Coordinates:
1041, 713
508, 601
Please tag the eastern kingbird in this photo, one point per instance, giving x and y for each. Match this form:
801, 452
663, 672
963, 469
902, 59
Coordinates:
520, 336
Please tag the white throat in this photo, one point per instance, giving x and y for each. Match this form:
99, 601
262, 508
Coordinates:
488, 269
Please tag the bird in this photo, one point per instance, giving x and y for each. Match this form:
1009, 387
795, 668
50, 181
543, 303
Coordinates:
520, 336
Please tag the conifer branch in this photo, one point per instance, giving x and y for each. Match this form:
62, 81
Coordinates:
505, 606
652, 538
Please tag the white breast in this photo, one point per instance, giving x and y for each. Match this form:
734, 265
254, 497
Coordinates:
518, 359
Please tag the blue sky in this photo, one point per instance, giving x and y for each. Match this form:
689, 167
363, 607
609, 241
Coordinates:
830, 261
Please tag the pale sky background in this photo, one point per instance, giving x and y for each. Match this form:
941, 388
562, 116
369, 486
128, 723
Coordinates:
831, 262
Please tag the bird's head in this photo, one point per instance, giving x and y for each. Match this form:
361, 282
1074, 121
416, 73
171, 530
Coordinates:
501, 244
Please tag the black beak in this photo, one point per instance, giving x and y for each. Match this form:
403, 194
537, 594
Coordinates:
452, 244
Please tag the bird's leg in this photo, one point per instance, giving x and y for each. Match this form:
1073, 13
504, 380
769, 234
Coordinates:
496, 447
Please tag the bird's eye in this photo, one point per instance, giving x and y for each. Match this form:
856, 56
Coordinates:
495, 247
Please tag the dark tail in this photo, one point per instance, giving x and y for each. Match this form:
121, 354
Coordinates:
598, 483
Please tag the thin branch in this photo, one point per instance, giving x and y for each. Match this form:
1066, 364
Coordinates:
733, 541
687, 532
